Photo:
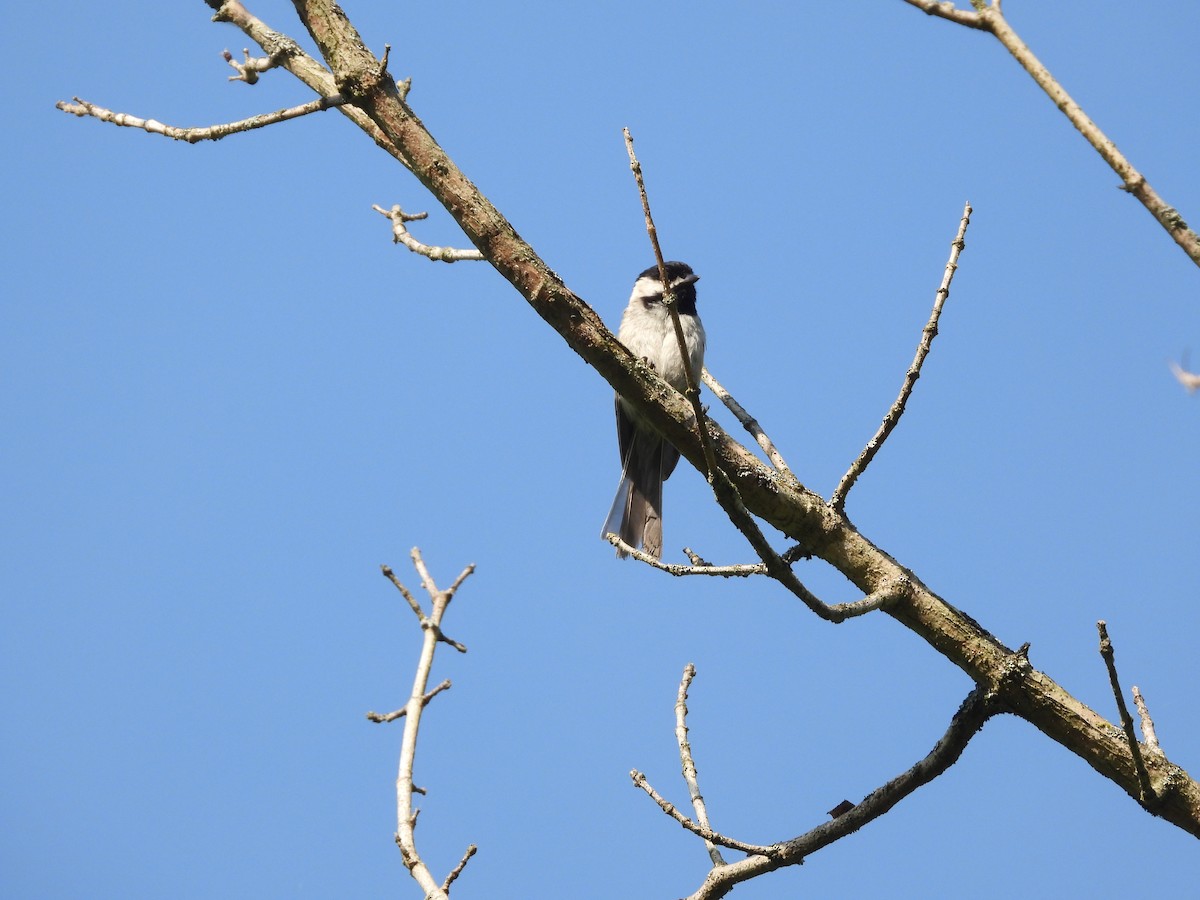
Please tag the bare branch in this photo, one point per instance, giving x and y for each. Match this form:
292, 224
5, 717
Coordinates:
837, 612
976, 709
639, 781
697, 568
457, 870
690, 775
748, 422
412, 601
990, 18
392, 716
194, 135
928, 333
406, 816
292, 58
401, 235
1149, 797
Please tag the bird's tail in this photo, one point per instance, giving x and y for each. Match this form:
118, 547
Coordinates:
636, 514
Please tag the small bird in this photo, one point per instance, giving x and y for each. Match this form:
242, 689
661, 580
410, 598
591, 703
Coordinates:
647, 459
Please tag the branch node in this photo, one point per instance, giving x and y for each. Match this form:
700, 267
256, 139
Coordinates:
249, 70
401, 235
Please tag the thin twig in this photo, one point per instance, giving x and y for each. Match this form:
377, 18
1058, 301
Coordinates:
692, 391
975, 710
774, 567
678, 569
457, 870
401, 235
396, 714
1148, 733
928, 333
989, 17
639, 781
748, 422
1148, 795
83, 108
837, 612
412, 601
690, 775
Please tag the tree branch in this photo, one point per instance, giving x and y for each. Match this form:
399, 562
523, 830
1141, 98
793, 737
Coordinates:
990, 18
406, 816
976, 709
690, 776
401, 235
748, 422
292, 58
710, 837
1148, 797
928, 333
196, 134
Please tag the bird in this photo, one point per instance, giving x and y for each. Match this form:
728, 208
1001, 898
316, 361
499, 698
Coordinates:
647, 458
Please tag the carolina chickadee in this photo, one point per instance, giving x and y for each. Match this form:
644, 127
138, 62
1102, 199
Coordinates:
647, 459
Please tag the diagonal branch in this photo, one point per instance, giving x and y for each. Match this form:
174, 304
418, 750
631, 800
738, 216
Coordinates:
279, 46
928, 333
979, 706
990, 18
692, 392
1148, 797
748, 422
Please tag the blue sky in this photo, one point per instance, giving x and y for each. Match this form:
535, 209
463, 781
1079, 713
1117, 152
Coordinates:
230, 399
